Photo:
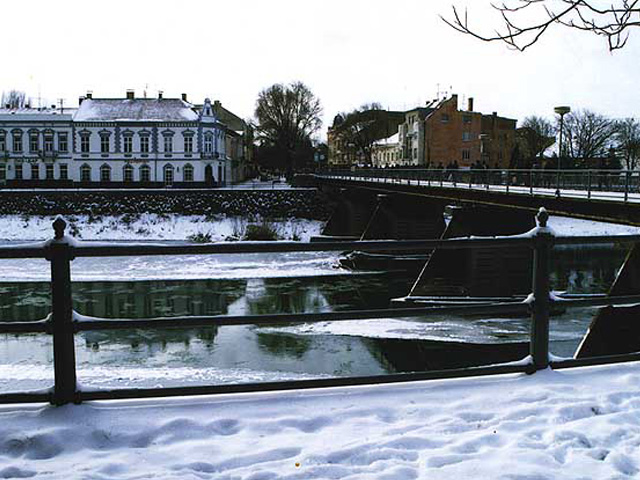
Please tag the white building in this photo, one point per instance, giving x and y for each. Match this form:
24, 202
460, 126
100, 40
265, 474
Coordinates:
117, 142
387, 152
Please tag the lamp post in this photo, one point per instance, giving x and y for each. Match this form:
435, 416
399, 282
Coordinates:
562, 111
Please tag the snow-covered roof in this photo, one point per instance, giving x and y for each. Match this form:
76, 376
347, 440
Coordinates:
136, 109
34, 114
392, 140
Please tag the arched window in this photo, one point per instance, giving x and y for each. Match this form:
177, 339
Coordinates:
168, 174
187, 173
145, 174
127, 173
105, 173
85, 173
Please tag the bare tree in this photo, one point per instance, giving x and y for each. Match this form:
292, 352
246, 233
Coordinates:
287, 117
362, 127
14, 99
628, 141
538, 134
588, 135
525, 21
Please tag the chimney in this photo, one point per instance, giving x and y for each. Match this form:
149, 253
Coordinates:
454, 99
89, 94
184, 97
160, 94
130, 94
470, 104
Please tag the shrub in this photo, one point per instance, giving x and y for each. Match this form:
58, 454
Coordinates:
200, 237
264, 231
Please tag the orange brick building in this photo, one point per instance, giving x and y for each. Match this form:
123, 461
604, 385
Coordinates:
466, 136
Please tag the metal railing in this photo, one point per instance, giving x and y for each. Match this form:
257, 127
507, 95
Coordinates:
63, 323
601, 184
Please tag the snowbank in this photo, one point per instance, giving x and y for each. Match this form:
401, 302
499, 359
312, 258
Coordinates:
147, 227
577, 424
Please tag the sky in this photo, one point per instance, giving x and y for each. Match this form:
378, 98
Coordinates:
349, 52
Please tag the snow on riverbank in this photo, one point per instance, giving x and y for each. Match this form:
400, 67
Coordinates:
570, 424
148, 227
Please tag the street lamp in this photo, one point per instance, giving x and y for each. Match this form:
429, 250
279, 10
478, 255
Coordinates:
562, 111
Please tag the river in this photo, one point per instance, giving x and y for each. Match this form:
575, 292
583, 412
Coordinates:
139, 287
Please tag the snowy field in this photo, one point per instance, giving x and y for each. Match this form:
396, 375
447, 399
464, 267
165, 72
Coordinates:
578, 424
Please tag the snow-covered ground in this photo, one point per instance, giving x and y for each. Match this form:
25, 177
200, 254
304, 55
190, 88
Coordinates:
570, 424
149, 227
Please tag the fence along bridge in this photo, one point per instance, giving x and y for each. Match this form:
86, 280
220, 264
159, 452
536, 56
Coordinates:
63, 323
601, 195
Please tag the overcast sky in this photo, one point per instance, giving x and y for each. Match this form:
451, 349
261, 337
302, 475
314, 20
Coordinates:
347, 51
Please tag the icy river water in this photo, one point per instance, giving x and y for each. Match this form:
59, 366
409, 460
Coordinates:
141, 287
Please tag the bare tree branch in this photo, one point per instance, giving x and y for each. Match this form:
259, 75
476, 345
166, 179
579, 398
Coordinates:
613, 23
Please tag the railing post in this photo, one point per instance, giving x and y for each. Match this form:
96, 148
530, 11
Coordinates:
626, 186
589, 184
539, 344
64, 356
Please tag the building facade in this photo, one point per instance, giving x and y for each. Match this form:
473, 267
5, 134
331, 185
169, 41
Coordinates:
467, 137
118, 142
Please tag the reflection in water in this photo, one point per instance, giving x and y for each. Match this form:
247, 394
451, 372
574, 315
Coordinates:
250, 353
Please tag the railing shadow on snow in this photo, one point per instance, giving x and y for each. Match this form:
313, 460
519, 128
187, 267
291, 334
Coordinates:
63, 323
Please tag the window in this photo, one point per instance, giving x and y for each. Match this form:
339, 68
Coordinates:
466, 154
104, 143
48, 142
188, 144
34, 143
127, 173
145, 174
63, 143
128, 143
187, 172
17, 141
3, 172
444, 118
35, 171
84, 142
18, 171
168, 174
105, 173
466, 136
85, 173
168, 143
144, 144
48, 171
466, 119
208, 143
64, 172
3, 142
415, 153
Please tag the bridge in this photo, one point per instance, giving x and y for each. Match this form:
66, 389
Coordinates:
602, 195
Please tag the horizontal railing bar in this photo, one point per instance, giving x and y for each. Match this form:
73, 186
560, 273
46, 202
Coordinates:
8, 398
598, 301
7, 252
87, 323
280, 247
300, 384
595, 240
39, 326
593, 361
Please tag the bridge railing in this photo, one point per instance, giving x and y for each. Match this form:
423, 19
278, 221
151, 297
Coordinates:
64, 323
581, 183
